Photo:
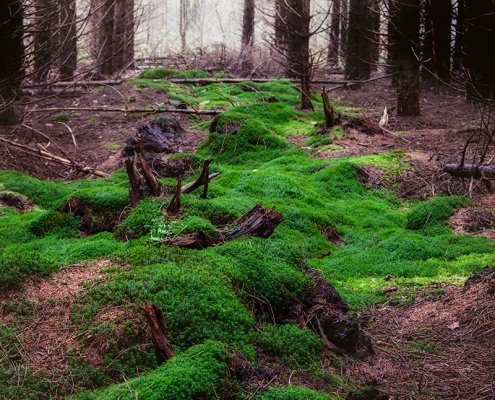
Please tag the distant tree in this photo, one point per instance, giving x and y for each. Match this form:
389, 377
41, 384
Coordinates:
459, 36
183, 22
437, 40
119, 35
45, 23
130, 28
247, 39
358, 51
68, 38
298, 56
333, 48
408, 24
373, 35
12, 51
479, 59
392, 38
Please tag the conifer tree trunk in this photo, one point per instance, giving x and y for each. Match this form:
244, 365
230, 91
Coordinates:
298, 62
43, 44
247, 39
374, 38
408, 24
436, 48
68, 32
459, 36
247, 25
183, 23
478, 47
358, 50
344, 28
333, 48
280, 27
392, 39
105, 37
119, 35
129, 35
12, 52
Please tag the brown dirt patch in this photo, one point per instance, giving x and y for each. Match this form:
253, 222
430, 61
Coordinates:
442, 346
47, 334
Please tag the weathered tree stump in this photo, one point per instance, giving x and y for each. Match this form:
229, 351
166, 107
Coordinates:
156, 321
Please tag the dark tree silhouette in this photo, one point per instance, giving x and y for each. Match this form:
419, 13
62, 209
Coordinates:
358, 57
12, 51
247, 39
333, 48
68, 37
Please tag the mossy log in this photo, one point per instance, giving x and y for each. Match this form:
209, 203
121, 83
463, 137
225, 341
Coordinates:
470, 170
258, 222
156, 321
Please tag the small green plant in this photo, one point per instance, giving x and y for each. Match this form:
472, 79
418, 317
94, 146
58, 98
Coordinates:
89, 121
61, 118
132, 99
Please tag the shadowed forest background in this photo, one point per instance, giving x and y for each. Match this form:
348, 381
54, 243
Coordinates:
258, 199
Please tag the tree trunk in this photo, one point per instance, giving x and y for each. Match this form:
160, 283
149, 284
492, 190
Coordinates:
12, 52
436, 48
358, 57
68, 32
374, 38
247, 25
408, 24
333, 48
280, 28
479, 45
106, 32
459, 36
183, 23
247, 39
129, 35
119, 35
344, 28
298, 63
392, 39
44, 18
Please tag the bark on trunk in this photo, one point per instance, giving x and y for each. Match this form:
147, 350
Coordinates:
247, 25
119, 35
374, 38
392, 39
344, 28
183, 23
280, 26
12, 52
68, 32
333, 48
129, 35
298, 63
408, 26
44, 18
479, 45
358, 50
459, 36
436, 47
106, 32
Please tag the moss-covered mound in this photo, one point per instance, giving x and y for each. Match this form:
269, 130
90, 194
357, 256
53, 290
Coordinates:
167, 73
433, 211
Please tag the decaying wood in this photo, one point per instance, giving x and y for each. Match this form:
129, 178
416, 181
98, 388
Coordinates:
128, 110
76, 83
174, 205
42, 153
187, 188
155, 186
328, 109
201, 178
470, 170
205, 184
156, 321
135, 181
330, 345
258, 222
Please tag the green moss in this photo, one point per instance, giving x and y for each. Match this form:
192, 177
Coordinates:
15, 266
433, 211
198, 372
293, 344
53, 223
61, 118
292, 392
157, 73
141, 219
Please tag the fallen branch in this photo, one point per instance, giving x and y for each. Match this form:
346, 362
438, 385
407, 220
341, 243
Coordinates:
470, 170
258, 222
129, 110
75, 83
156, 321
42, 153
201, 178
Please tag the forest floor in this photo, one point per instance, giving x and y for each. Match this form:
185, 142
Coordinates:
432, 339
